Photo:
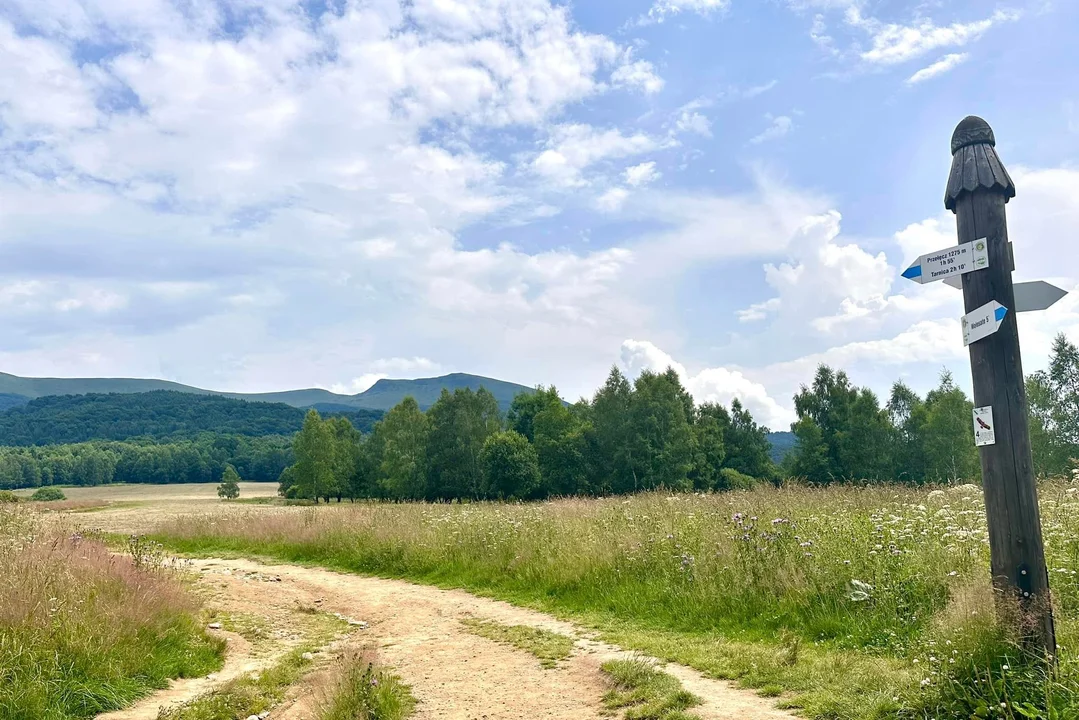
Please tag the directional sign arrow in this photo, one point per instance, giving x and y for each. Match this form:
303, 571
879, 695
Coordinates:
1029, 296
983, 322
949, 262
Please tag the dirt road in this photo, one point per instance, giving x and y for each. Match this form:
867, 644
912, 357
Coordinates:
417, 630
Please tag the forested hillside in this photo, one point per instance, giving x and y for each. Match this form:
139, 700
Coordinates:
161, 414
9, 400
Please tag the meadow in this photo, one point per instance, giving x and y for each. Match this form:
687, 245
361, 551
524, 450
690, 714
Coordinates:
83, 630
845, 602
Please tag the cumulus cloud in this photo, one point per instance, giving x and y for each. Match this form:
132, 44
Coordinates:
719, 385
694, 122
572, 148
894, 43
639, 74
253, 180
642, 174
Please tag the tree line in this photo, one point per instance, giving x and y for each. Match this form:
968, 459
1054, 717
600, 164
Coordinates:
200, 460
650, 434
844, 433
629, 437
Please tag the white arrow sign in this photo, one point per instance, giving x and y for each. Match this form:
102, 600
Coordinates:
983, 322
1029, 296
956, 260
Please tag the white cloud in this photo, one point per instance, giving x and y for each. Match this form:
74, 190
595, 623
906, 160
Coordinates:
695, 122
662, 9
759, 311
309, 175
574, 147
946, 63
756, 90
639, 74
612, 200
822, 274
927, 341
719, 385
643, 174
388, 368
818, 33
780, 126
893, 43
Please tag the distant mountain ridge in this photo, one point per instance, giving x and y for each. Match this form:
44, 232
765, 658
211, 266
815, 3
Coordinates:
383, 395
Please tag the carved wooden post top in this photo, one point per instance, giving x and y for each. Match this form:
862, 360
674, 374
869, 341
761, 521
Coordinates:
975, 163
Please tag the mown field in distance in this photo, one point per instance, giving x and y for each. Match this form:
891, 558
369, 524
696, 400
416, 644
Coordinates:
158, 493
847, 602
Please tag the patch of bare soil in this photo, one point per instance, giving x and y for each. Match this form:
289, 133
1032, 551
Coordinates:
417, 630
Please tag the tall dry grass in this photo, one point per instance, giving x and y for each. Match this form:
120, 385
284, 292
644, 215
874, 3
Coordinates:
83, 630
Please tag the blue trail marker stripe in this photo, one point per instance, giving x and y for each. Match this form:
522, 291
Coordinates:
914, 271
1000, 313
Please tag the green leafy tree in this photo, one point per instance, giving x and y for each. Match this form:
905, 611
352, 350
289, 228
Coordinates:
346, 455
1053, 398
948, 447
286, 483
661, 437
810, 459
614, 465
229, 489
398, 451
748, 449
562, 450
511, 466
853, 428
527, 405
460, 424
709, 445
314, 469
1050, 454
908, 416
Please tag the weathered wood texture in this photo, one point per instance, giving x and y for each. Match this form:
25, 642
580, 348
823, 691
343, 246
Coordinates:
978, 189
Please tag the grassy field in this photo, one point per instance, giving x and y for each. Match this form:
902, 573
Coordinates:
846, 602
83, 631
157, 493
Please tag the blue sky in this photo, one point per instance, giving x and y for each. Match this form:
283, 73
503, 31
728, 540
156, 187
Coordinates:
265, 195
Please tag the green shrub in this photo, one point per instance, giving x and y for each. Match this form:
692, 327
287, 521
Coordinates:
731, 479
48, 494
8, 498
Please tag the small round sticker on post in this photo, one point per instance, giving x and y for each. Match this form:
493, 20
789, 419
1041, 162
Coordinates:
981, 257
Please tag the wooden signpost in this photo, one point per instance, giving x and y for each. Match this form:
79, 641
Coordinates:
978, 189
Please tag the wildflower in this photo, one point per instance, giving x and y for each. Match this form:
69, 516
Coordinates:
926, 682
953, 573
1005, 667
